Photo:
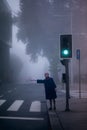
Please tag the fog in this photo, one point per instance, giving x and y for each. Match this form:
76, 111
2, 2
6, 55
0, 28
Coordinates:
22, 66
30, 70
14, 5
42, 23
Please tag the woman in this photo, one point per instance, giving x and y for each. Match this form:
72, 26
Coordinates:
50, 90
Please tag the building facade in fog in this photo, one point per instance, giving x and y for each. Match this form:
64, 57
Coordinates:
5, 40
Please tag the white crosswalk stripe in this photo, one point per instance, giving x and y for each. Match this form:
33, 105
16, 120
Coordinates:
16, 105
2, 101
35, 106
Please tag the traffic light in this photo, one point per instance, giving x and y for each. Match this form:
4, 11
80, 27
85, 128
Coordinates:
65, 46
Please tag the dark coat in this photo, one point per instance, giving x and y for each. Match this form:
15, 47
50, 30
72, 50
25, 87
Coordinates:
49, 87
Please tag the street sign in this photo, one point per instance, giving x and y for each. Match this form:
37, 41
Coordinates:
78, 54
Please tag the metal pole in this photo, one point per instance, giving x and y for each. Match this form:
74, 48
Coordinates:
67, 84
79, 73
79, 81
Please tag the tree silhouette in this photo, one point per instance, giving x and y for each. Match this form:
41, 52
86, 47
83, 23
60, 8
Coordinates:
42, 21
36, 31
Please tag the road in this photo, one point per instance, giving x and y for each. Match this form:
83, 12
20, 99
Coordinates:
23, 107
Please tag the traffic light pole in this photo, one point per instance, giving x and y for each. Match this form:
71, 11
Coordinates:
66, 54
67, 84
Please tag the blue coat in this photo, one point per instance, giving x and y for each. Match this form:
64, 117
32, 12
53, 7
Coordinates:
49, 87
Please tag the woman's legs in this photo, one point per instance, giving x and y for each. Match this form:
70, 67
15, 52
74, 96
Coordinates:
54, 103
50, 104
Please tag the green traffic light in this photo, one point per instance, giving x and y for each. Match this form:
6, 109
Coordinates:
65, 52
66, 46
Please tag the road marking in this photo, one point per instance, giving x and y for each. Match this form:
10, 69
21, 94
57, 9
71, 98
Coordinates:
21, 118
2, 102
35, 106
15, 106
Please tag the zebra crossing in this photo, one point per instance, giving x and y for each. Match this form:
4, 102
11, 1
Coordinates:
35, 106
2, 101
16, 105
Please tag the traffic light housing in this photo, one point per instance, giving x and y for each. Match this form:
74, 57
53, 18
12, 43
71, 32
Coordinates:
65, 46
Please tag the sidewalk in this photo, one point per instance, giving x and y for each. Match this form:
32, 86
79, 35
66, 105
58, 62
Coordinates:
75, 119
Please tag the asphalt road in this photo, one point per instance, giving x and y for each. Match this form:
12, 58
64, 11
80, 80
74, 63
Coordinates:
23, 107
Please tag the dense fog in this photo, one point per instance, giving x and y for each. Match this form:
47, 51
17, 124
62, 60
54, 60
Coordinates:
38, 27
23, 68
